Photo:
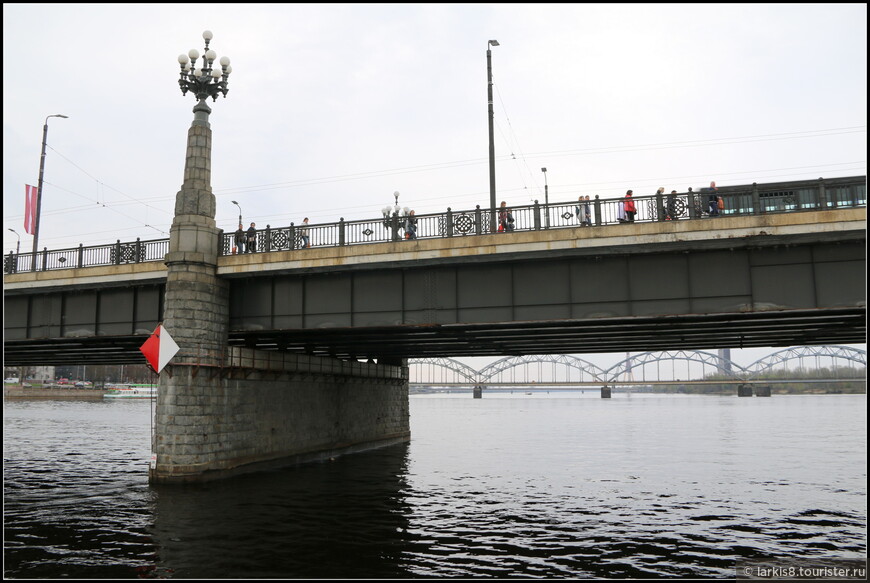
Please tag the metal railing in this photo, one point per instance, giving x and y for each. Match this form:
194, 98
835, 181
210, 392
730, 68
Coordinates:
754, 199
117, 253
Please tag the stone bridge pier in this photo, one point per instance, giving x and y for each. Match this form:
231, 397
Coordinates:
265, 409
224, 410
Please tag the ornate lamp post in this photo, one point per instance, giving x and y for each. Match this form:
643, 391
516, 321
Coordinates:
493, 43
204, 81
39, 189
196, 310
391, 216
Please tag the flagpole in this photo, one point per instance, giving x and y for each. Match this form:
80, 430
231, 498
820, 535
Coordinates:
39, 189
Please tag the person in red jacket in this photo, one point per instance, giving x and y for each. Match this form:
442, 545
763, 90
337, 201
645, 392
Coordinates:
630, 209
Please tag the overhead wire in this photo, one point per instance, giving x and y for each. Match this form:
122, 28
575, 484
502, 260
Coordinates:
101, 185
460, 163
515, 147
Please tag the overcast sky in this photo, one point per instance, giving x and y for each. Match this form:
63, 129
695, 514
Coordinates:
333, 107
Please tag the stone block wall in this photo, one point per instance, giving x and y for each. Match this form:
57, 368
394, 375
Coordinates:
292, 409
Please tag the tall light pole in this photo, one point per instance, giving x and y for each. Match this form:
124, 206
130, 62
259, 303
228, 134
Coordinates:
39, 189
14, 266
493, 43
240, 211
18, 244
546, 198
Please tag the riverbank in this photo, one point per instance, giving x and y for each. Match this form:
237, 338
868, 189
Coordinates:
52, 393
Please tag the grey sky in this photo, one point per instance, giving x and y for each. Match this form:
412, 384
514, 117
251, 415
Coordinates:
333, 107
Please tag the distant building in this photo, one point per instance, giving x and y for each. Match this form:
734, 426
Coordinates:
725, 359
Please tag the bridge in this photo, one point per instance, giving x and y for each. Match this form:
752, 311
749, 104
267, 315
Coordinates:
293, 355
692, 283
808, 364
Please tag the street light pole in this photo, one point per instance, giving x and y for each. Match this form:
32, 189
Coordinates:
546, 198
493, 43
240, 211
18, 244
14, 266
39, 189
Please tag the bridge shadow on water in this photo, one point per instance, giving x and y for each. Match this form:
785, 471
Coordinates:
345, 518
363, 517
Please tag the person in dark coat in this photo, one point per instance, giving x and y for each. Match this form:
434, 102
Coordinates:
239, 240
251, 246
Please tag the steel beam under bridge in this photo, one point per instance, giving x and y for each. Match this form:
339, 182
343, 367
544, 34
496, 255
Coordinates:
761, 281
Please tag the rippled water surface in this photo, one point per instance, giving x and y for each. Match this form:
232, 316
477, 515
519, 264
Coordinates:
511, 485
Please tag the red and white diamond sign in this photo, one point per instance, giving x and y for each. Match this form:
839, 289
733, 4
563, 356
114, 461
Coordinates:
159, 348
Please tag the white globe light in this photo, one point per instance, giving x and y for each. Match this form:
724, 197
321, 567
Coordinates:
193, 54
210, 55
225, 61
183, 59
207, 35
216, 74
229, 69
197, 72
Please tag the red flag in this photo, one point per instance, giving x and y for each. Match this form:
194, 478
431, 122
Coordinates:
30, 193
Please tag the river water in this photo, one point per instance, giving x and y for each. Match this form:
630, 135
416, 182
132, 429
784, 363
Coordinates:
558, 485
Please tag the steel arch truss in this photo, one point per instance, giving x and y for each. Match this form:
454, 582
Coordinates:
705, 358
725, 367
845, 353
461, 369
490, 372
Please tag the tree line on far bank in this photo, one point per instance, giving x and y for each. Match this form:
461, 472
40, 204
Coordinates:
848, 381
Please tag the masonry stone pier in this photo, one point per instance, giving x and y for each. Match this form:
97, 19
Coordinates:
264, 409
222, 411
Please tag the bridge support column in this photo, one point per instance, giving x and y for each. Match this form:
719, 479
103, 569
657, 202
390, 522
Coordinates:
762, 391
267, 409
605, 392
744, 390
478, 392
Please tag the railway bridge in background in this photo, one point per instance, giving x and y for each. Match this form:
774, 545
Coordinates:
805, 364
